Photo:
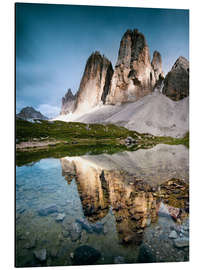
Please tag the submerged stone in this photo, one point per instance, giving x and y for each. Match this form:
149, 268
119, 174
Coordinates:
173, 235
146, 255
98, 228
85, 225
60, 217
86, 255
30, 243
41, 254
119, 259
47, 211
181, 242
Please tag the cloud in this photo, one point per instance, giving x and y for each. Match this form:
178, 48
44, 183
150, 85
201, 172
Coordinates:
48, 110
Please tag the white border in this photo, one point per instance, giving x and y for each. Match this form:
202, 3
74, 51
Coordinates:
7, 128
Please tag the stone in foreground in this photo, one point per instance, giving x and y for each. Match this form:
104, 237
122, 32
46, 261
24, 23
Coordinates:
173, 235
41, 254
181, 242
86, 255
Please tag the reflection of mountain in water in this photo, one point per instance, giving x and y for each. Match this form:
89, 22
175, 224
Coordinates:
134, 184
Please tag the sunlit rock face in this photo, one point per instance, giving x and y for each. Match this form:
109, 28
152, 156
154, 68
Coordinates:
176, 83
95, 83
134, 76
68, 103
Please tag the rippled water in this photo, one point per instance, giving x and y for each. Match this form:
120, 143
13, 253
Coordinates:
124, 205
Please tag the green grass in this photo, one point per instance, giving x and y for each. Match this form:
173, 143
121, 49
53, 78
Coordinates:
173, 141
64, 131
76, 139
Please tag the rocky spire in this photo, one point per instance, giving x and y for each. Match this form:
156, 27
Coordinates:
157, 65
133, 76
176, 83
95, 83
68, 102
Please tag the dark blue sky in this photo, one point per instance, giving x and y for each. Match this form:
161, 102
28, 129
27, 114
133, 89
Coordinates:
53, 43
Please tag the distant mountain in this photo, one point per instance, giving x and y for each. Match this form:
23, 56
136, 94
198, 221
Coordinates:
28, 113
68, 102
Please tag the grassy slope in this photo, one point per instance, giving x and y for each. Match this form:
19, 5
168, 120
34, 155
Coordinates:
75, 139
64, 131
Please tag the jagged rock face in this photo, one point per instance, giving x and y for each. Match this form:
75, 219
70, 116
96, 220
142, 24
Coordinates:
157, 65
176, 83
68, 103
95, 83
30, 113
133, 76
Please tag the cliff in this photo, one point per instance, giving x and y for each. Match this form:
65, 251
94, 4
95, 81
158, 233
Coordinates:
95, 83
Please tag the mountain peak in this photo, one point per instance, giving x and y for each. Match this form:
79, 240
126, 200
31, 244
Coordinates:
95, 82
181, 62
30, 113
68, 102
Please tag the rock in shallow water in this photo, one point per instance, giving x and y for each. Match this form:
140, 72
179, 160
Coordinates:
73, 230
181, 242
41, 254
173, 235
85, 225
146, 255
48, 210
30, 243
85, 255
53, 252
119, 259
60, 217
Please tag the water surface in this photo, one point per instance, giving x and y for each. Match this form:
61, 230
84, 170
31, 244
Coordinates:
124, 205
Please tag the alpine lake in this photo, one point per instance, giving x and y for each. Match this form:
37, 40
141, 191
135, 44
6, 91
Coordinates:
125, 207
